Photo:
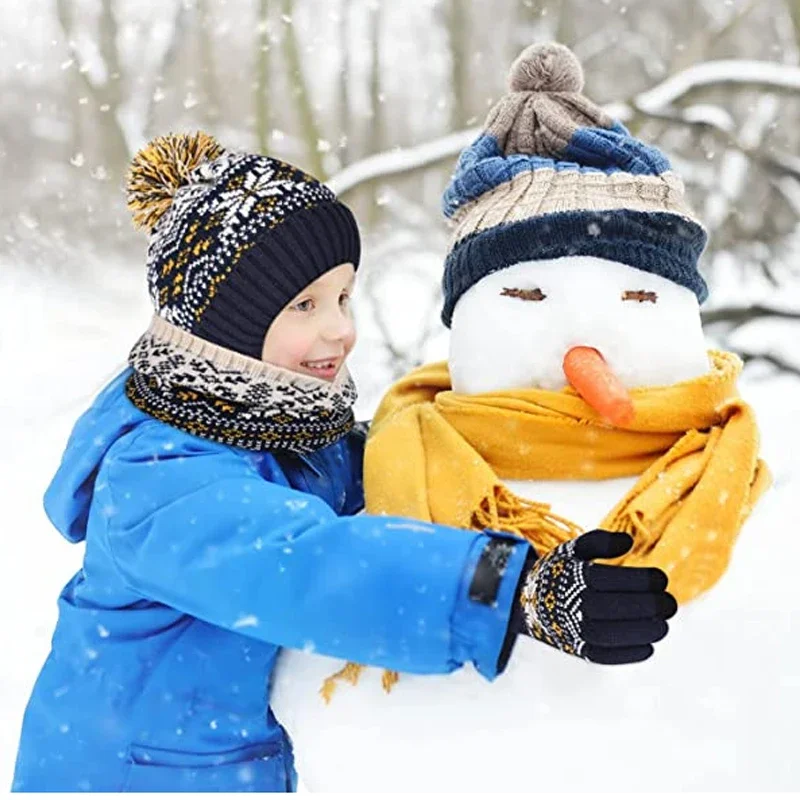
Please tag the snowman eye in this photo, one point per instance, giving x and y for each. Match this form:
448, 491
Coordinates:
524, 294
640, 296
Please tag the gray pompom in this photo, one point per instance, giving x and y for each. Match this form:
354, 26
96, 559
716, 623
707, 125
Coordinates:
550, 67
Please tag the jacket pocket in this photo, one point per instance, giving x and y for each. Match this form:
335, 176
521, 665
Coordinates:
256, 768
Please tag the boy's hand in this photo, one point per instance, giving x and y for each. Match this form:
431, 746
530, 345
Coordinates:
605, 614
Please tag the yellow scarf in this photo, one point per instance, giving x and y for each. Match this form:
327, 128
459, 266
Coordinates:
440, 456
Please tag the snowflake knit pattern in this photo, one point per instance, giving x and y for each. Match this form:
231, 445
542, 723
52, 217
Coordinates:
220, 395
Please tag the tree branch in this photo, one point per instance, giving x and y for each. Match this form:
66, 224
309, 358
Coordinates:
401, 160
777, 361
740, 72
741, 315
294, 66
655, 103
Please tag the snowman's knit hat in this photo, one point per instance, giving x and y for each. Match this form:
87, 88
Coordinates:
554, 175
233, 236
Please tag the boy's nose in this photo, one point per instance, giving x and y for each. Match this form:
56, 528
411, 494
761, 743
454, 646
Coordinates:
338, 326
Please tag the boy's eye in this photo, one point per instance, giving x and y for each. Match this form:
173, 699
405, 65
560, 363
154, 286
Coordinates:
525, 294
304, 305
640, 296
344, 298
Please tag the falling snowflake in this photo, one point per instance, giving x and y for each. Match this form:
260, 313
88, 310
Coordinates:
247, 621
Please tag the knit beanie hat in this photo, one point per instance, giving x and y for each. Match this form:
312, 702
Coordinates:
233, 236
553, 175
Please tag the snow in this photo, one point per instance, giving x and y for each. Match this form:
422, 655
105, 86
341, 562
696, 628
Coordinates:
59, 345
715, 708
645, 343
246, 621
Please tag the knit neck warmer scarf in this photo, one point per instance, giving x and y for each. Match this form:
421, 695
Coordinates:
694, 446
217, 394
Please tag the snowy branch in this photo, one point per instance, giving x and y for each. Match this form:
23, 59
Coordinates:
761, 74
780, 363
656, 103
401, 160
743, 314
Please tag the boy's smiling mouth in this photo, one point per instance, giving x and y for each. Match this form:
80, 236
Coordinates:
323, 367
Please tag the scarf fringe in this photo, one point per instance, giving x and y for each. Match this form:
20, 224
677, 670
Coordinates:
502, 510
351, 672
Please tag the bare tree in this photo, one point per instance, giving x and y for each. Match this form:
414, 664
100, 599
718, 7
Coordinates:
106, 96
344, 82
212, 100
294, 67
122, 110
375, 132
262, 100
457, 34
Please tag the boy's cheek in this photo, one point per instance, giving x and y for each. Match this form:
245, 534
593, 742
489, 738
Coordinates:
288, 348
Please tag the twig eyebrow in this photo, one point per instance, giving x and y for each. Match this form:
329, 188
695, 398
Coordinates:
524, 294
640, 295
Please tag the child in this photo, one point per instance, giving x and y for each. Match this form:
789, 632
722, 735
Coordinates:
214, 483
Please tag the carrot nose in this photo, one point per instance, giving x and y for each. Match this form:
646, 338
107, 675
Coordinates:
592, 378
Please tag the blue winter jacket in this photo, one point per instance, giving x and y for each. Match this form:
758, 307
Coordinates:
201, 561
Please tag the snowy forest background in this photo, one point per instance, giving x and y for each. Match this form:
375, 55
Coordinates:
377, 98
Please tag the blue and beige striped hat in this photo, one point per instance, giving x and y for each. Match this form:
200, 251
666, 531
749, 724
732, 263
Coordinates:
553, 175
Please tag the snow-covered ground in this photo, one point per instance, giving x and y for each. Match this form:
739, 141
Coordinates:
59, 343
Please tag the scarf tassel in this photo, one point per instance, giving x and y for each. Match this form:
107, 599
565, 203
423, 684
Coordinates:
351, 672
502, 510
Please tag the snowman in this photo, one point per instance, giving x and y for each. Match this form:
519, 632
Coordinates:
578, 394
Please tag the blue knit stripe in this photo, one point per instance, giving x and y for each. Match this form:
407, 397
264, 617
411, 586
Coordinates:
660, 243
614, 151
482, 166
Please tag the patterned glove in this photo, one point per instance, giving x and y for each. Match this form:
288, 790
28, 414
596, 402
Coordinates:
605, 614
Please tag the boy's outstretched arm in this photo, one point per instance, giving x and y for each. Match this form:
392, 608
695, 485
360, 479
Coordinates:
207, 535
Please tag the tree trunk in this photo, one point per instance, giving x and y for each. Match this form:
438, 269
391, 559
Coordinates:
308, 123
115, 145
262, 78
344, 83
105, 97
205, 50
794, 11
375, 137
459, 63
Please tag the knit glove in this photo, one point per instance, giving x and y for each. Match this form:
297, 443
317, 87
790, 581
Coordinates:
605, 614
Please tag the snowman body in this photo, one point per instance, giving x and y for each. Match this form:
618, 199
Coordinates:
683, 719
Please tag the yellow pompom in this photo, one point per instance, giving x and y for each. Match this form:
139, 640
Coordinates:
160, 169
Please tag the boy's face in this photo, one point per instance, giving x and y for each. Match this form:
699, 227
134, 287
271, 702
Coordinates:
314, 333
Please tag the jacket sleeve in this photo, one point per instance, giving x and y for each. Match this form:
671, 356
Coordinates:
205, 534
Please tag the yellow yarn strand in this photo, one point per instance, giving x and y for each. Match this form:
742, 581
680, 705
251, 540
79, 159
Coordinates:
350, 672
502, 510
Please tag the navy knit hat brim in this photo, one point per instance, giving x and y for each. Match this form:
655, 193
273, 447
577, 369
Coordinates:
660, 243
279, 265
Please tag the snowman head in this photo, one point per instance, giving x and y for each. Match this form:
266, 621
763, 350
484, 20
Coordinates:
568, 233
513, 328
